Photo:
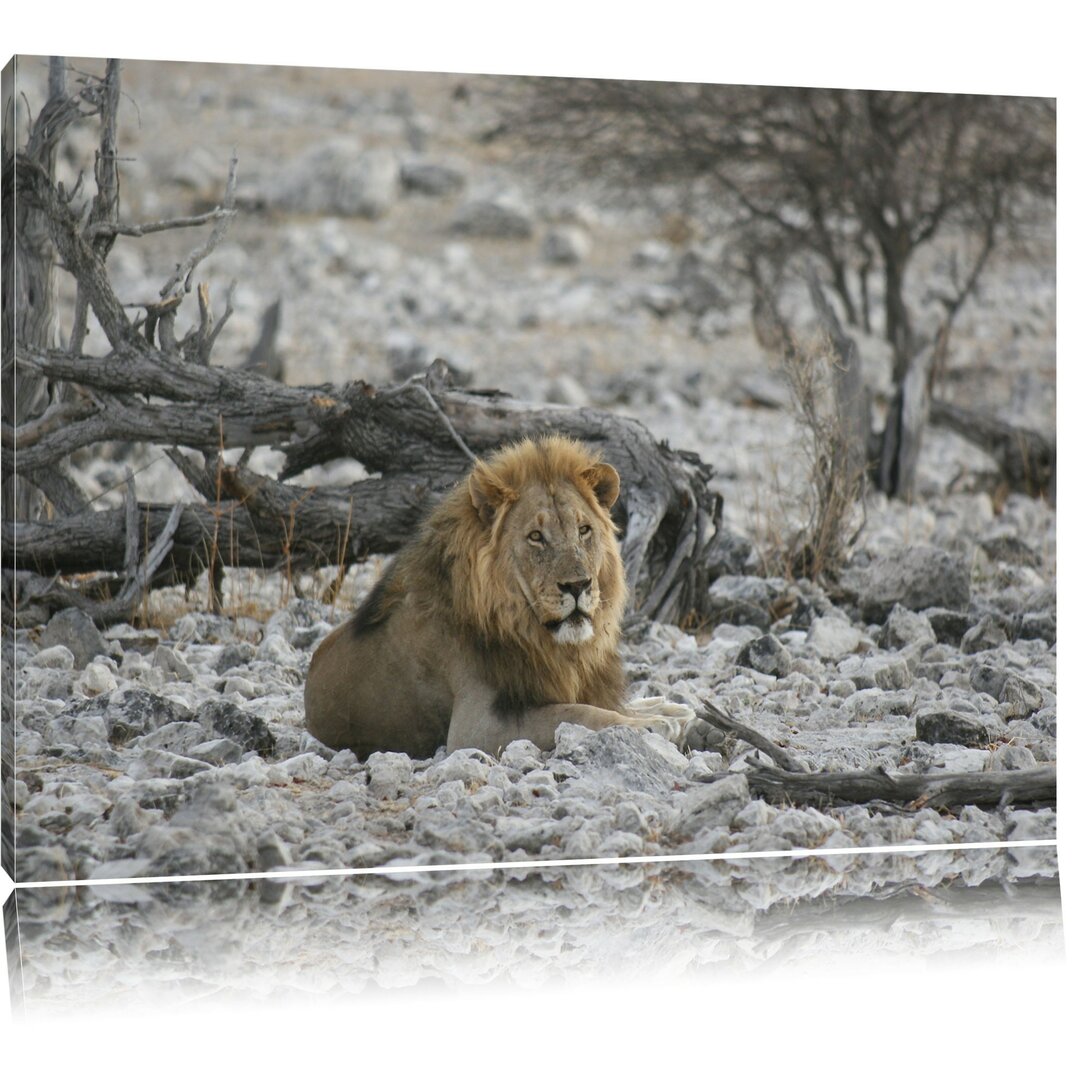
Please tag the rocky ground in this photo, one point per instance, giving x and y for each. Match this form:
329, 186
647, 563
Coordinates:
393, 235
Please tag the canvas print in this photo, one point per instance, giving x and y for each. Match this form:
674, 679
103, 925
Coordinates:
403, 469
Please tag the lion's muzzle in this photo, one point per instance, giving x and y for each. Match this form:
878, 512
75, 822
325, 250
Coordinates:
574, 625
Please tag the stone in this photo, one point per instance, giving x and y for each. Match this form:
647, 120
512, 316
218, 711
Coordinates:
134, 711
620, 845
1038, 625
948, 626
907, 629
120, 868
1010, 549
154, 764
127, 638
178, 737
1020, 696
740, 613
697, 286
1045, 721
712, 804
388, 774
947, 726
661, 300
833, 637
528, 834
566, 245
169, 660
744, 600
450, 793
430, 178
500, 218
44, 864
338, 177
469, 766
271, 850
237, 684
916, 577
233, 656
727, 554
754, 814
522, 755
623, 759
305, 766
277, 651
217, 751
73, 727
767, 655
986, 634
1009, 758
564, 389
96, 679
884, 671
987, 679
229, 722
75, 630
56, 656
653, 253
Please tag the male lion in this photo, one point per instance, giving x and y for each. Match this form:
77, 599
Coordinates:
500, 621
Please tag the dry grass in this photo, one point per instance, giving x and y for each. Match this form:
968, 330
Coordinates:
831, 503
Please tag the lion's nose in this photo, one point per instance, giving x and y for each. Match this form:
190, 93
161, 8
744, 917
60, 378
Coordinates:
575, 588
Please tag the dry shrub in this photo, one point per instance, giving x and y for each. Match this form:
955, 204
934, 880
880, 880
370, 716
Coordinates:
836, 466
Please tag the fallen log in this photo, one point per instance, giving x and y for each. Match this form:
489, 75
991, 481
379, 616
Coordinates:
1020, 787
420, 442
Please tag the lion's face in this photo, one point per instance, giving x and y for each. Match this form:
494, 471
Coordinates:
553, 544
555, 547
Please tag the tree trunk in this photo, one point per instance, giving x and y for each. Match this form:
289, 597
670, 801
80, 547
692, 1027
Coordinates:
29, 301
897, 320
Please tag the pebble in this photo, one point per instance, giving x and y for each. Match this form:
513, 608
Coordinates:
74, 630
941, 726
55, 656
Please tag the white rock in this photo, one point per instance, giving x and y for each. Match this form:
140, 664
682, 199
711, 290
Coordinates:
832, 637
56, 656
96, 679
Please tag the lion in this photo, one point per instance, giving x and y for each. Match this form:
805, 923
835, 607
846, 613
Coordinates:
499, 621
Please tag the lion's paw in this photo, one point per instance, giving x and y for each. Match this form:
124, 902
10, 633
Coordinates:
667, 718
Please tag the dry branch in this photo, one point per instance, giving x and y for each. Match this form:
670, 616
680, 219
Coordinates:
722, 720
1021, 787
792, 782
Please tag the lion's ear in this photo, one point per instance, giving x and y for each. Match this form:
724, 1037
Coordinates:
604, 481
487, 494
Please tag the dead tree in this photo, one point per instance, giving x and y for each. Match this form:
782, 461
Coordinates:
420, 437
29, 290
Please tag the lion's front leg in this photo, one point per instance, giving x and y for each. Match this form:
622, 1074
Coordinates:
476, 722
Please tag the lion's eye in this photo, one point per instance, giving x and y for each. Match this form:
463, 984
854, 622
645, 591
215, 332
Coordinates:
536, 536
584, 530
